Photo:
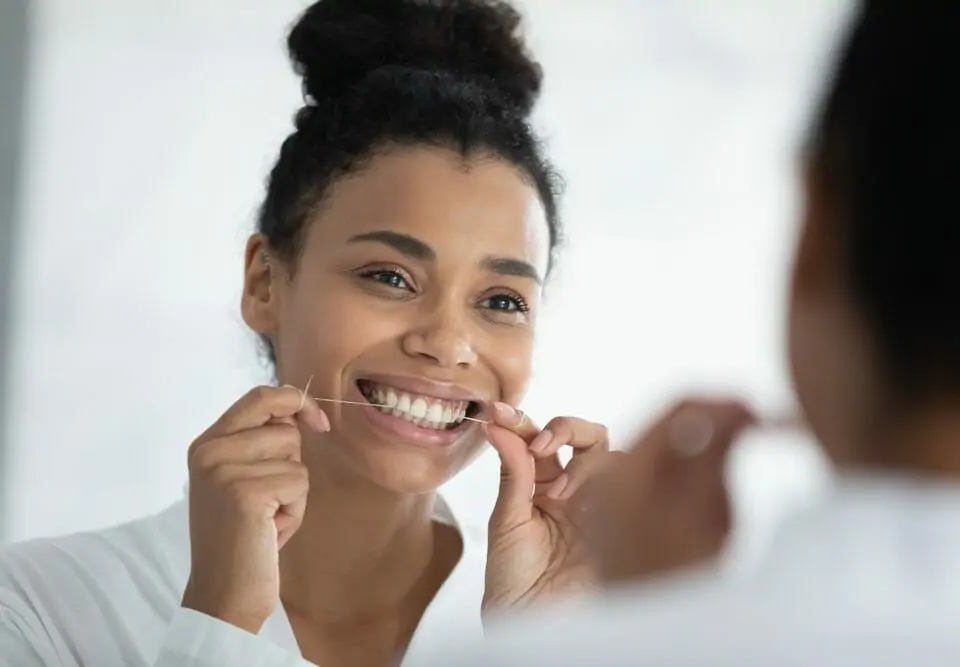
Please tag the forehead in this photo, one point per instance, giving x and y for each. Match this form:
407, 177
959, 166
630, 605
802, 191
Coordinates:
460, 207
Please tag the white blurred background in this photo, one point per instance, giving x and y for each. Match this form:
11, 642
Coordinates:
149, 128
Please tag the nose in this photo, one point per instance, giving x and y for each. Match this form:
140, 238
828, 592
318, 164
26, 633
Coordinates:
442, 338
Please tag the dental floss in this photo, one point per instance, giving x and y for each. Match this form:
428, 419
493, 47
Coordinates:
781, 422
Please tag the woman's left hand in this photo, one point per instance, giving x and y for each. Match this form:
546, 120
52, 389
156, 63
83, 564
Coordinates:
535, 543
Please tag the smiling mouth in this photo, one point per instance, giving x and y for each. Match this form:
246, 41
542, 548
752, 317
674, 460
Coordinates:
427, 412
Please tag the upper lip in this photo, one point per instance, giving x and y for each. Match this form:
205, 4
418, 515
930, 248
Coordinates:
425, 387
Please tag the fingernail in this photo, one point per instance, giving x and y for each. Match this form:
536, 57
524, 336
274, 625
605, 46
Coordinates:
557, 487
505, 411
317, 420
539, 443
691, 433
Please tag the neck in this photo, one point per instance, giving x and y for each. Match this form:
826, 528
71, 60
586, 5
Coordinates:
925, 442
361, 550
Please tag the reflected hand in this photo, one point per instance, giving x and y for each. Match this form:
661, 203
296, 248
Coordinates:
665, 504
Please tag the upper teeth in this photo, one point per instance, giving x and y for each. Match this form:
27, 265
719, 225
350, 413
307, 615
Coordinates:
424, 411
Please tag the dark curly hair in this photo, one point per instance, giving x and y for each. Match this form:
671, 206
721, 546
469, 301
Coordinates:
887, 145
384, 73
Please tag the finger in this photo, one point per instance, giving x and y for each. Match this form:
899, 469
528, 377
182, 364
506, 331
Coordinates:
730, 422
264, 404
283, 490
547, 469
289, 519
687, 429
707, 431
263, 488
273, 441
509, 417
276, 487
573, 432
238, 473
584, 469
581, 435
516, 476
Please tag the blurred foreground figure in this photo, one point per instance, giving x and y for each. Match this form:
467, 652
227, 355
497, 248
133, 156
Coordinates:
872, 575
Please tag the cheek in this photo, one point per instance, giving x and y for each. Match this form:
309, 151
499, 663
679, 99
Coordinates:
512, 361
800, 342
830, 374
325, 328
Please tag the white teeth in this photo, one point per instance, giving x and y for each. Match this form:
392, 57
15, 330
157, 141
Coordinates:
435, 413
421, 411
418, 408
391, 399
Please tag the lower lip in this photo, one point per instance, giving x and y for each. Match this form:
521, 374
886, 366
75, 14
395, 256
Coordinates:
410, 432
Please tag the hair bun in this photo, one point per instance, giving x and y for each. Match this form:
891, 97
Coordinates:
336, 43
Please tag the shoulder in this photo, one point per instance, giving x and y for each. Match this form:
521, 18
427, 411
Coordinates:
122, 580
154, 545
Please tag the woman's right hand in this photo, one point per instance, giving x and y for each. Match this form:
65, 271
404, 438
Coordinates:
248, 491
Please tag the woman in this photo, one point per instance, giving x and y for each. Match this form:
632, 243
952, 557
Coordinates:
871, 576
408, 228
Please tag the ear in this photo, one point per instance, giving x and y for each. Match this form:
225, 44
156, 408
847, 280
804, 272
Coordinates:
262, 274
816, 264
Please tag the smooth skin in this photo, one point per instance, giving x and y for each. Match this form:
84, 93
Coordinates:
423, 266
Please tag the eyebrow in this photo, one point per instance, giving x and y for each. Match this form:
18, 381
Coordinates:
416, 249
402, 243
512, 267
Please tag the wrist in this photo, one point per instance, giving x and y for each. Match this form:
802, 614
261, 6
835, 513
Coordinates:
231, 614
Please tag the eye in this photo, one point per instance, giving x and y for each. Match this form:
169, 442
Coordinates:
505, 303
388, 277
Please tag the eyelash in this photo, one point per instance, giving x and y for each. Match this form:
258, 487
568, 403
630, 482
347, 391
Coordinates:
371, 274
520, 305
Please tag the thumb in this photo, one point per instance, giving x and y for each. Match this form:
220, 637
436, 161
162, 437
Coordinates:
517, 479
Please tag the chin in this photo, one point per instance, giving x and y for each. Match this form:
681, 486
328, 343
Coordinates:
408, 471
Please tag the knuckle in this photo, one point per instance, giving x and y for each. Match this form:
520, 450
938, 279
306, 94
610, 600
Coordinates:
281, 437
261, 393
244, 494
299, 482
218, 476
289, 434
201, 456
194, 446
200, 461
192, 452
561, 426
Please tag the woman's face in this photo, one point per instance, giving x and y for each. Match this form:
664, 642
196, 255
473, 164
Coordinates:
417, 289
